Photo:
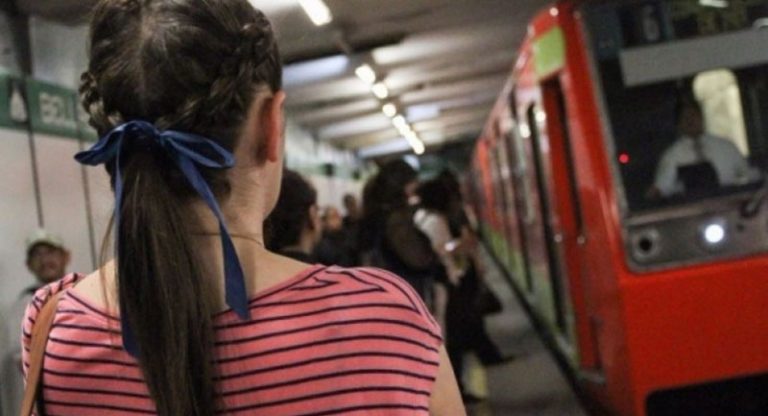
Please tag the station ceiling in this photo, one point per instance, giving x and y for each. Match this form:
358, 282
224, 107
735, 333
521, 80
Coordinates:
442, 61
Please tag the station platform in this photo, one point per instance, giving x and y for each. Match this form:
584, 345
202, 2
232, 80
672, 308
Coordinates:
532, 384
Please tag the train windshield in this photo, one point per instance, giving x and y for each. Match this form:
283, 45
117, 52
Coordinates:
685, 87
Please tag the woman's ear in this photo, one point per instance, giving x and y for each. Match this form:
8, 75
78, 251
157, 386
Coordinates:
273, 122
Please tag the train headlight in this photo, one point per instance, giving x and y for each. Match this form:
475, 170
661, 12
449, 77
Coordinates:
714, 234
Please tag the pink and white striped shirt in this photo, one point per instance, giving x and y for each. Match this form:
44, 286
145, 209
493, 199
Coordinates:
327, 341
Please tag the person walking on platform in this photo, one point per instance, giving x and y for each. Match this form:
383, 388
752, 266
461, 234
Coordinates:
293, 228
440, 218
194, 316
47, 259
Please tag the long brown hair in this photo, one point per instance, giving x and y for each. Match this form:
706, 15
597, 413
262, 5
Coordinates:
187, 65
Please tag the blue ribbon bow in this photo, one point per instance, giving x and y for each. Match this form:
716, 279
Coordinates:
188, 151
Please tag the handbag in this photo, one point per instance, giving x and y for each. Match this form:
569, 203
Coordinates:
40, 332
480, 297
486, 302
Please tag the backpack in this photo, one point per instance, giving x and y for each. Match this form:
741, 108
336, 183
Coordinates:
403, 248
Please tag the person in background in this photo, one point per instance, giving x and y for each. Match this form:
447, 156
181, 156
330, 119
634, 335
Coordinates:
441, 218
352, 227
389, 237
712, 161
432, 219
294, 227
47, 259
335, 246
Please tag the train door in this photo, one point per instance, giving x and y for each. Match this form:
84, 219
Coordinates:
497, 209
540, 146
518, 190
567, 219
506, 200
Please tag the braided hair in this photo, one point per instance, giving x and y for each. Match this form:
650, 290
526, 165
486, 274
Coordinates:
189, 65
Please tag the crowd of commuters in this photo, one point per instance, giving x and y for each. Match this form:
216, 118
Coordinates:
417, 230
422, 232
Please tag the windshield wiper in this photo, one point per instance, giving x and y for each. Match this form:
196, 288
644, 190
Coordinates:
752, 206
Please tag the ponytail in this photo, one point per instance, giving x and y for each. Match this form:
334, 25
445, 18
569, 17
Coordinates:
162, 292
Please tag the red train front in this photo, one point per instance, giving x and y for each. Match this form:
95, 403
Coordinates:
645, 260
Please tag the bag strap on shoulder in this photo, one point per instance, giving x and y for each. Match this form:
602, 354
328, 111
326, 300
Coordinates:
40, 333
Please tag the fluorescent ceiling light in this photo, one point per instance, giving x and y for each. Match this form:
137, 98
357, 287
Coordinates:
405, 130
380, 90
317, 11
399, 122
366, 73
389, 110
415, 142
385, 148
720, 4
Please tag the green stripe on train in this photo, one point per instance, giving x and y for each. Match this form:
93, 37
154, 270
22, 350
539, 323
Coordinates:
549, 52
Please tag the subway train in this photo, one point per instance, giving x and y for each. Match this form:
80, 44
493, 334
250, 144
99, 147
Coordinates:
655, 299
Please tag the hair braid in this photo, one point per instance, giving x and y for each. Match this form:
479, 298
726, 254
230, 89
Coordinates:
93, 104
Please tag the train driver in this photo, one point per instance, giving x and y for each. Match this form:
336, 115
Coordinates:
698, 161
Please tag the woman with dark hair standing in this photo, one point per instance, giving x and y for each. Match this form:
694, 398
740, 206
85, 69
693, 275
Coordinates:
391, 239
194, 316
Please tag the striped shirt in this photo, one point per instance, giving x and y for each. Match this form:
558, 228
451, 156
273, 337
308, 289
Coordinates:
325, 342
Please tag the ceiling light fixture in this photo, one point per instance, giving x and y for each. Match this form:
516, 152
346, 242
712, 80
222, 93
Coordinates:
720, 4
366, 73
317, 11
399, 122
405, 130
415, 142
380, 90
389, 110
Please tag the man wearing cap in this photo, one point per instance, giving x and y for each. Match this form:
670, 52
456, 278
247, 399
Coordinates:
47, 259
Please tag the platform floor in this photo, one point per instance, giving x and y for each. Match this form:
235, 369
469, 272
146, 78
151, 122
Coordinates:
532, 384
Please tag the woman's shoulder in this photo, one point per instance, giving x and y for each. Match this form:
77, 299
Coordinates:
40, 298
45, 293
384, 288
382, 283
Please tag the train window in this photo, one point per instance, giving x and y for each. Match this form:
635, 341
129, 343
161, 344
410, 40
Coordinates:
687, 110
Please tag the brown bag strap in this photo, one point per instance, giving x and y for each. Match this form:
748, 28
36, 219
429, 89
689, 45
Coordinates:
40, 334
